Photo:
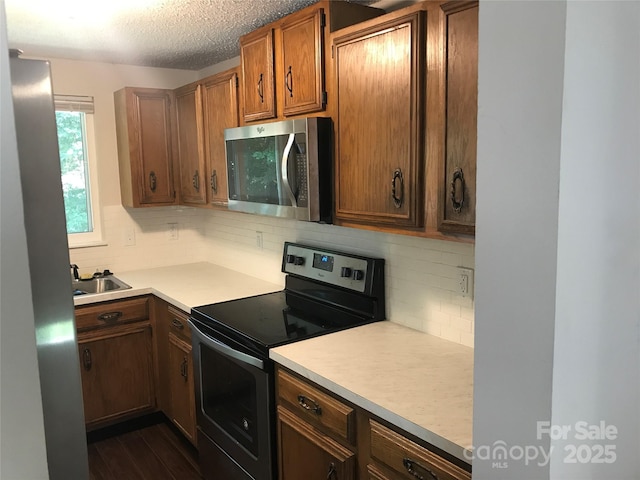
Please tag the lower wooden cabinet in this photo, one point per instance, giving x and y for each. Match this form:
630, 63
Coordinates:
182, 390
304, 452
117, 373
319, 438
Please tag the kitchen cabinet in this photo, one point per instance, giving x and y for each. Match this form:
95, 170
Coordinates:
116, 361
458, 189
284, 68
256, 59
411, 169
380, 162
404, 459
144, 123
182, 386
203, 110
190, 145
320, 435
220, 111
176, 395
309, 454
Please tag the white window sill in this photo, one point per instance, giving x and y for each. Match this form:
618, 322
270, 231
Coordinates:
97, 243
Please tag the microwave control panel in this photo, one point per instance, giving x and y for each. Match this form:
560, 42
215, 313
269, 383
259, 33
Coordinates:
353, 272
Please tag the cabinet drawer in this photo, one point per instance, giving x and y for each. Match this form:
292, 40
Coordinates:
316, 407
409, 459
178, 323
110, 313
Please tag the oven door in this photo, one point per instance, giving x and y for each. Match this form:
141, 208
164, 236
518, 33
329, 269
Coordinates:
234, 392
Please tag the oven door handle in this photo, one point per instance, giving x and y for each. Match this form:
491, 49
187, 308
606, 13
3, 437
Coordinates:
224, 349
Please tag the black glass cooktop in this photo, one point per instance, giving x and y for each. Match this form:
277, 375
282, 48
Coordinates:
266, 321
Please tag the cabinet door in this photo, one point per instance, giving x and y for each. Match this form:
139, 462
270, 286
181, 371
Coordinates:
256, 54
220, 103
380, 164
145, 146
458, 193
117, 375
302, 63
190, 145
182, 388
306, 453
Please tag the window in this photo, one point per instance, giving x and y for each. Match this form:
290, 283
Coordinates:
74, 120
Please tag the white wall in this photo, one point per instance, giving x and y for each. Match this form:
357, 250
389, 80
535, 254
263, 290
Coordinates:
22, 443
596, 368
557, 292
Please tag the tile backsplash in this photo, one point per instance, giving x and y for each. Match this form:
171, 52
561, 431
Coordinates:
421, 274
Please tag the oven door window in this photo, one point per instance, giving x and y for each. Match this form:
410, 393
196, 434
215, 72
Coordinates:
229, 398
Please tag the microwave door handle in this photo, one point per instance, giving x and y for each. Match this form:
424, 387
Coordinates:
285, 170
224, 349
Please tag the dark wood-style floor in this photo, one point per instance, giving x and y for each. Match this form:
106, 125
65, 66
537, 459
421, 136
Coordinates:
152, 451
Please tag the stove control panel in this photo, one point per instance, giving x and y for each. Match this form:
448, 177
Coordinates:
354, 272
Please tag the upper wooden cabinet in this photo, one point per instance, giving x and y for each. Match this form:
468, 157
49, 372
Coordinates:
190, 140
144, 122
406, 120
284, 72
302, 59
256, 54
379, 122
458, 192
203, 110
220, 111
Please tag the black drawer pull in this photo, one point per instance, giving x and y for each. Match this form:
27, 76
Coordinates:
413, 467
109, 316
332, 473
177, 323
397, 193
304, 403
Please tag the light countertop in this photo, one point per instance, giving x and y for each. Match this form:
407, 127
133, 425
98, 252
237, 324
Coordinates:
185, 286
421, 383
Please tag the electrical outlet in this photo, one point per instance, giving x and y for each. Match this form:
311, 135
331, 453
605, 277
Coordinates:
465, 281
172, 233
129, 236
259, 243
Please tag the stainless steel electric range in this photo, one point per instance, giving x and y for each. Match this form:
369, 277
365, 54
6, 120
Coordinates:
325, 291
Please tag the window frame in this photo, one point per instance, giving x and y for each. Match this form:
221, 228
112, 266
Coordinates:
95, 237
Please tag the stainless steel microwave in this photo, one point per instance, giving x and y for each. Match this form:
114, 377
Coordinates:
282, 169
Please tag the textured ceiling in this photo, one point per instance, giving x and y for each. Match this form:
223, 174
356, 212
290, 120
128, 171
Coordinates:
187, 34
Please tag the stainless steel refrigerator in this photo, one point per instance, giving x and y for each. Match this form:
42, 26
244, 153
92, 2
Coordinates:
44, 220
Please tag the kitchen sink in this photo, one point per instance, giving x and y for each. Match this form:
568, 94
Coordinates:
97, 285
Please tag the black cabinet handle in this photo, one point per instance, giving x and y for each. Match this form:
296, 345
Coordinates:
184, 369
153, 181
260, 89
332, 473
413, 467
177, 324
86, 359
288, 81
196, 181
458, 179
397, 193
304, 403
214, 182
109, 316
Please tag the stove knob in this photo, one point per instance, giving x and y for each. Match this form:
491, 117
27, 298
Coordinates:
298, 261
358, 274
290, 258
345, 272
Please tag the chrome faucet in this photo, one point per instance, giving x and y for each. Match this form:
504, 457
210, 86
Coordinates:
76, 276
